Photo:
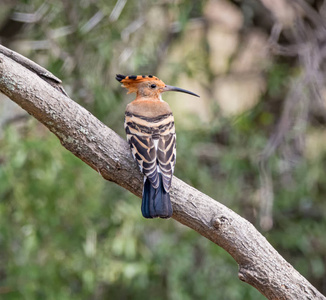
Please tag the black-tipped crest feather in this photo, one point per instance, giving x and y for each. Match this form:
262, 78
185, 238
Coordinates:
120, 77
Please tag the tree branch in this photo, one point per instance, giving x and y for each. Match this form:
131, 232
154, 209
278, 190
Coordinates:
85, 136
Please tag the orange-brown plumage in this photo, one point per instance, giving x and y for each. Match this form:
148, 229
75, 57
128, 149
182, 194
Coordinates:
141, 85
149, 126
148, 108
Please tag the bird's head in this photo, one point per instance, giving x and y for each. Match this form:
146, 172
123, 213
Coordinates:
147, 86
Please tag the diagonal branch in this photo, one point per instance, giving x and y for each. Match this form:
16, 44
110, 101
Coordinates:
85, 136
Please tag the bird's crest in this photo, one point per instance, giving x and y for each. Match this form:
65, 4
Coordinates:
130, 82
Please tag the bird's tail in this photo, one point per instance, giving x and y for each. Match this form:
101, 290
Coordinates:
156, 202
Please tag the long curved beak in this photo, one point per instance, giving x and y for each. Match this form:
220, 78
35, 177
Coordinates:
171, 88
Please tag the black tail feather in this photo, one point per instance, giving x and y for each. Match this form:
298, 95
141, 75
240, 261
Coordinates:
156, 202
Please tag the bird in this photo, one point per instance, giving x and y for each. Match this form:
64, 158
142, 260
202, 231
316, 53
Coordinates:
150, 130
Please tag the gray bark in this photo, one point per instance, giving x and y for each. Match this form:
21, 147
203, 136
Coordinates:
260, 265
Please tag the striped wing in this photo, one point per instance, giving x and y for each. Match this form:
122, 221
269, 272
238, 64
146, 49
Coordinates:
142, 146
166, 155
152, 142
143, 150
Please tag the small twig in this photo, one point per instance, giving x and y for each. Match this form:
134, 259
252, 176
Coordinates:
37, 69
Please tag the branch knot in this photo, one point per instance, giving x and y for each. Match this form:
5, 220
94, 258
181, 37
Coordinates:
219, 221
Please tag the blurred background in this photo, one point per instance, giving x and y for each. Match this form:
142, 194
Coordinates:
255, 141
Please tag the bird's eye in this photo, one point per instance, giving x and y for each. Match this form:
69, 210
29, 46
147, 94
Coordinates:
153, 86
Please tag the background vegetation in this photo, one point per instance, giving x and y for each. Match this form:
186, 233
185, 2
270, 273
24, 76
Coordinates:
255, 141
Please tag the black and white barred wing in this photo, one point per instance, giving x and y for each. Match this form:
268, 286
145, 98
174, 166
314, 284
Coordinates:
166, 156
153, 145
144, 152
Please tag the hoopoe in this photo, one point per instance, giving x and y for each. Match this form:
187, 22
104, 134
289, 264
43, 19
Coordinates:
149, 125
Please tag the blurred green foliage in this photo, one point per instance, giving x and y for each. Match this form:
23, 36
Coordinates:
68, 234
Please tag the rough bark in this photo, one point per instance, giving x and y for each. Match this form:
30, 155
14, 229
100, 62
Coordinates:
260, 265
